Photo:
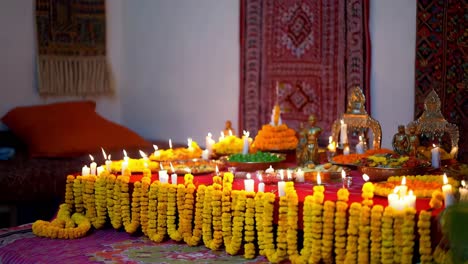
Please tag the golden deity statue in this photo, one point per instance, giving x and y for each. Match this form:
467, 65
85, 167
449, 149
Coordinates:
228, 130
401, 141
413, 141
310, 152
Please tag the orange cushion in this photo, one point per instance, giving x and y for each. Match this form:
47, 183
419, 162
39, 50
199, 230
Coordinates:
68, 129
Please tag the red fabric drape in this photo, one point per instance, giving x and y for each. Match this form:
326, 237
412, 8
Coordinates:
315, 50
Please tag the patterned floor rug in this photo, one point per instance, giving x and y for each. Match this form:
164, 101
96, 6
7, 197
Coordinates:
20, 245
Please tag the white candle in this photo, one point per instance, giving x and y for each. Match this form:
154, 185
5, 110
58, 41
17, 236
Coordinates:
144, 157
173, 175
319, 179
163, 176
109, 163
281, 186
221, 137
463, 192
124, 162
205, 154
289, 174
270, 170
343, 133
360, 146
343, 177
245, 148
209, 144
435, 157
100, 170
170, 143
156, 153
449, 199
249, 183
189, 144
92, 166
300, 175
392, 199
85, 170
261, 184
346, 151
411, 199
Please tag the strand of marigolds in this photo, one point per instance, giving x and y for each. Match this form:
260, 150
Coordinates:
110, 182
151, 229
376, 233
186, 203
249, 233
364, 232
176, 206
157, 223
131, 226
235, 242
125, 210
387, 236
278, 253
100, 192
144, 202
193, 236
89, 200
307, 228
63, 226
69, 199
317, 224
227, 207
293, 204
353, 233
340, 225
212, 223
328, 234
398, 218
367, 194
78, 194
116, 217
424, 231
259, 222
408, 235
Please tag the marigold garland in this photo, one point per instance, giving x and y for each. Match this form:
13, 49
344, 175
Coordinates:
317, 224
110, 181
89, 198
376, 233
227, 207
144, 199
275, 253
116, 216
424, 231
235, 241
69, 198
398, 219
353, 232
364, 231
78, 194
212, 223
308, 230
292, 214
368, 193
249, 233
193, 235
328, 231
100, 192
408, 235
175, 207
259, 208
387, 236
340, 225
131, 225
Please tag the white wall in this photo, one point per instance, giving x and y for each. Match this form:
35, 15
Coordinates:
393, 37
18, 51
182, 65
177, 64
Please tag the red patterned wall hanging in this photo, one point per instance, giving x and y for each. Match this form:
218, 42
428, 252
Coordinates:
442, 61
315, 50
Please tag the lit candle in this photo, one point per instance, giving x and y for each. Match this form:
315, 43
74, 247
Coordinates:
343, 133
393, 198
281, 185
156, 153
248, 183
107, 159
173, 175
205, 154
100, 170
221, 137
449, 198
319, 179
92, 166
463, 192
217, 169
360, 146
85, 170
346, 150
300, 175
209, 142
367, 191
270, 170
331, 145
435, 156
261, 184
189, 144
163, 176
411, 199
144, 157
245, 148
343, 177
124, 162
289, 174
403, 189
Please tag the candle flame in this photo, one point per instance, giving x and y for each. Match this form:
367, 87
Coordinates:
161, 166
248, 176
403, 180
365, 177
342, 121
91, 157
230, 132
259, 176
330, 139
217, 169
172, 167
319, 179
246, 133
189, 142
209, 134
360, 138
433, 145
410, 193
343, 174
222, 134
445, 179
125, 153
188, 170
109, 157
463, 183
143, 155
103, 153
155, 147
396, 190
170, 143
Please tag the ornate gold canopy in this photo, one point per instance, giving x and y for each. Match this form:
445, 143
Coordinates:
432, 123
356, 117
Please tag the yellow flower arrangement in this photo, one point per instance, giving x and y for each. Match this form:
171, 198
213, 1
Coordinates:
340, 225
398, 219
367, 194
176, 207
422, 185
275, 138
171, 154
328, 234
226, 216
100, 196
249, 233
157, 208
212, 222
78, 194
353, 232
228, 145
387, 236
193, 236
274, 253
317, 224
259, 222
364, 231
69, 199
437, 200
424, 231
376, 233
64, 226
234, 242
408, 235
